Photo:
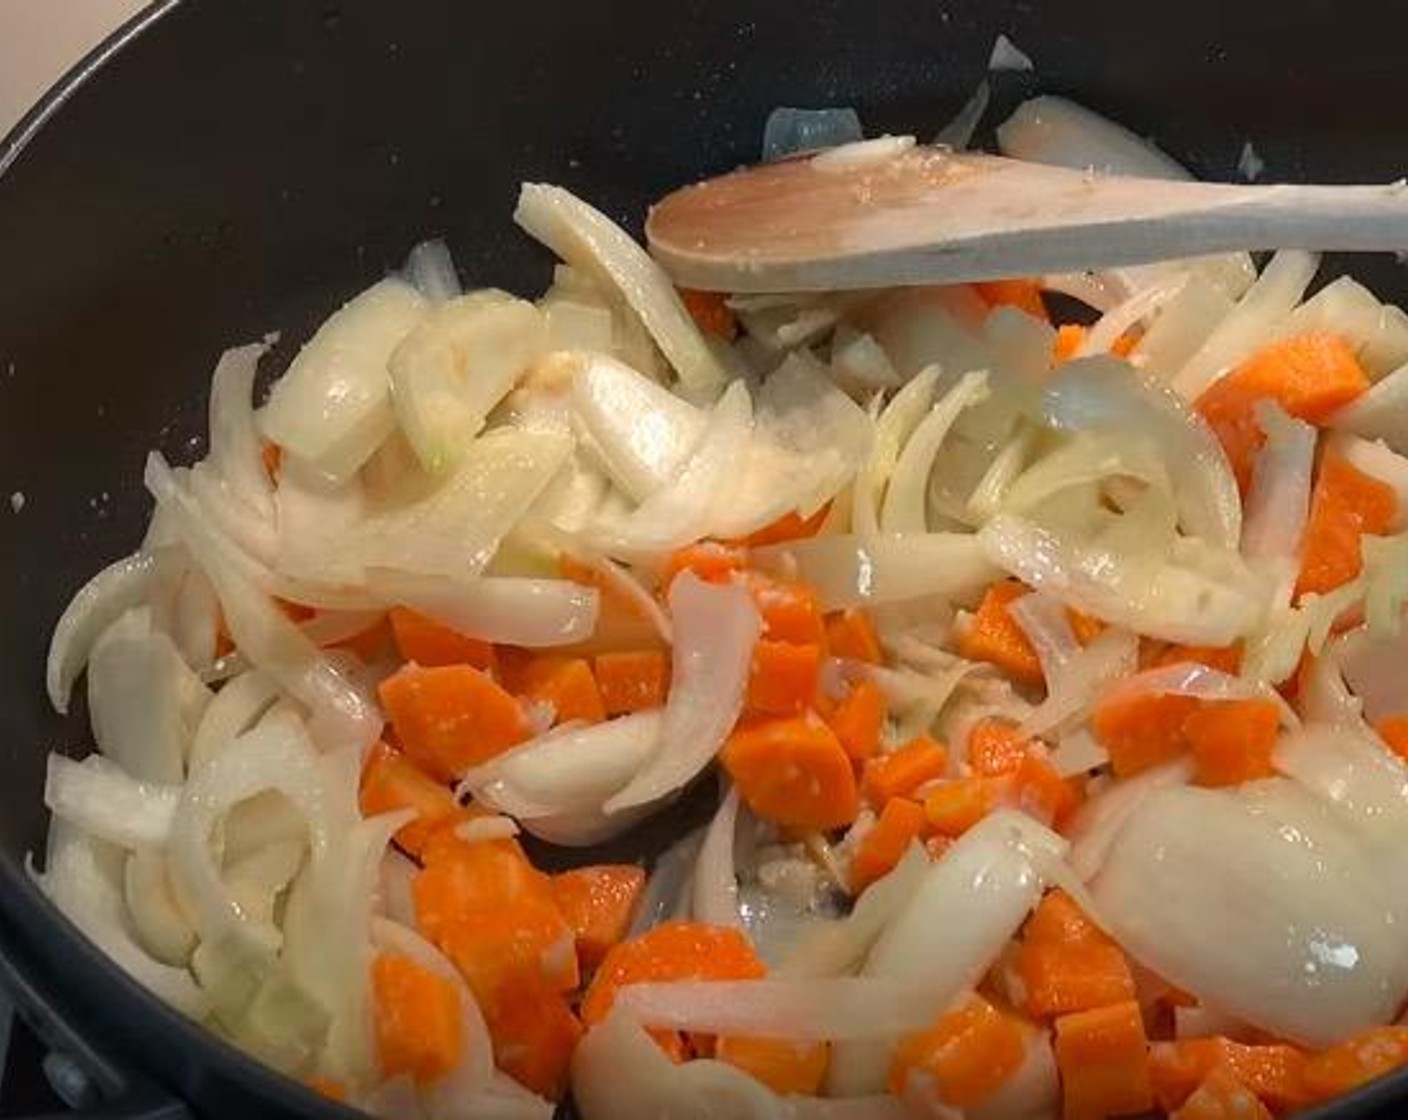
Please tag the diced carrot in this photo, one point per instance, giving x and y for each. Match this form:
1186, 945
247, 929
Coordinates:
421, 639
324, 1086
391, 781
711, 312
1024, 295
1393, 730
1059, 920
783, 1065
790, 611
899, 825
632, 680
1059, 978
671, 951
953, 807
272, 456
1069, 339
1309, 375
859, 719
1103, 1058
451, 717
533, 1031
1275, 1072
793, 771
295, 612
417, 1016
567, 684
1142, 731
1040, 792
711, 561
1226, 659
789, 527
1123, 346
1356, 1061
1345, 504
850, 634
783, 677
993, 636
1086, 627
1232, 740
1222, 1097
598, 903
902, 771
994, 747
966, 1055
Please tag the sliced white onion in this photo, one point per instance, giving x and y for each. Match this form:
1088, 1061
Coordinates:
507, 609
1308, 946
83, 878
118, 588
479, 830
1381, 413
1047, 626
430, 269
1007, 56
1325, 697
1097, 825
234, 710
892, 431
1251, 323
1182, 326
969, 904
958, 133
810, 1009
333, 404
642, 432
1054, 130
1086, 461
1280, 495
716, 627
1075, 686
906, 496
1201, 682
235, 448
144, 701
1364, 783
585, 238
103, 800
1112, 325
312, 515
396, 895
1078, 752
789, 131
872, 153
196, 625
1377, 332
573, 767
850, 571
1378, 461
456, 365
158, 923
1106, 393
714, 885
1143, 592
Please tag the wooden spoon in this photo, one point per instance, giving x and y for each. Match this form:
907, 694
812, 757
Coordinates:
884, 213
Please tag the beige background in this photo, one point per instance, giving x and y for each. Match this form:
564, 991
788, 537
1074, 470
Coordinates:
40, 39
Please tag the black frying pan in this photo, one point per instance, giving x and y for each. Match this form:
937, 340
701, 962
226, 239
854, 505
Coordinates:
221, 169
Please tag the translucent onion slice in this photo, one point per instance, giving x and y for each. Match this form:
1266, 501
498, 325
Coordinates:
332, 406
906, 496
1098, 823
892, 431
714, 885
103, 800
430, 269
236, 451
716, 627
515, 610
158, 923
1365, 783
1279, 497
585, 238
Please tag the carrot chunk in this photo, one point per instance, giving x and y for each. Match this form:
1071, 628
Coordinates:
711, 313
1069, 339
994, 747
1275, 1073
790, 611
793, 771
850, 634
711, 561
859, 719
533, 1032
1059, 920
421, 639
1066, 963
1102, 1055
567, 684
1024, 295
1309, 375
1393, 730
898, 826
1232, 741
993, 636
451, 717
783, 676
784, 1066
790, 526
953, 807
598, 903
632, 680
1142, 731
1222, 1097
967, 1054
902, 771
1345, 504
391, 781
1040, 791
1356, 1061
417, 1015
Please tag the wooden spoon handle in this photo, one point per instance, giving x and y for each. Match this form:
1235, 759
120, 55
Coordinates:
932, 216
